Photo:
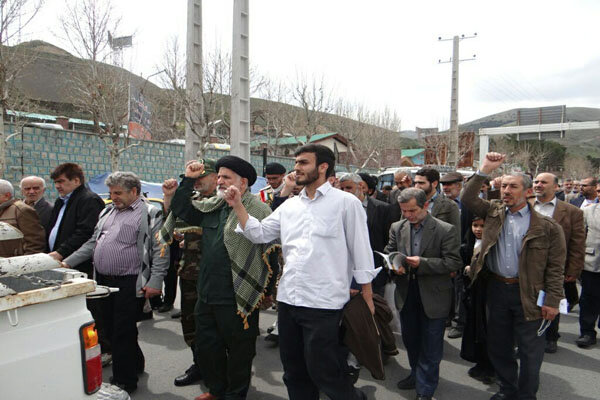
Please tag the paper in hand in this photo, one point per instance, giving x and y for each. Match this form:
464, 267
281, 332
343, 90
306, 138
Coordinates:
394, 260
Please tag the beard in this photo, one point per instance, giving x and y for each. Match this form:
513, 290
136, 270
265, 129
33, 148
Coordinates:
221, 193
309, 178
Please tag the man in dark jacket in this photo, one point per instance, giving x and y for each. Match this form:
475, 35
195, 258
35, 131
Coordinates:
74, 216
588, 194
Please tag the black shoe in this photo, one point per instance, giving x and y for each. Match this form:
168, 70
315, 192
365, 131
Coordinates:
475, 372
502, 396
455, 333
165, 308
272, 338
488, 378
176, 314
551, 347
143, 316
421, 397
407, 383
192, 375
128, 388
585, 341
353, 373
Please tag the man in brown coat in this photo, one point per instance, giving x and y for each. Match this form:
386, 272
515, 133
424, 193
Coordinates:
570, 218
522, 254
25, 219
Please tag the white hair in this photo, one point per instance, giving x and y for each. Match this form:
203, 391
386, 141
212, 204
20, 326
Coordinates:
33, 177
6, 187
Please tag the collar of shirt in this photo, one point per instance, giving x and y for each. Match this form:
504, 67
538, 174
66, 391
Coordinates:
523, 212
135, 205
65, 198
553, 202
322, 190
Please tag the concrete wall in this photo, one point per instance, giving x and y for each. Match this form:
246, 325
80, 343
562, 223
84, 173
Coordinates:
38, 151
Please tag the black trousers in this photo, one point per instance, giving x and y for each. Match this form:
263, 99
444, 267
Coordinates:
506, 326
311, 353
460, 314
119, 314
589, 303
170, 284
225, 349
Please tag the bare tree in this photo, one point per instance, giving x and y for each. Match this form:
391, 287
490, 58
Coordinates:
314, 97
15, 15
576, 166
99, 89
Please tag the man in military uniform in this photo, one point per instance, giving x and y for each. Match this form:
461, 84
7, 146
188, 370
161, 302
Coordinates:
232, 278
274, 172
204, 187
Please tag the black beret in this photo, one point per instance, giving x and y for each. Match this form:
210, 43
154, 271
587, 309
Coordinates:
240, 166
273, 168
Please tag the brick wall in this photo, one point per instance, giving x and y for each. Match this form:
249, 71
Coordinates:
38, 151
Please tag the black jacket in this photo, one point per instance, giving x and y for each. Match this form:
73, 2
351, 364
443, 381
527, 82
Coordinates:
77, 225
44, 211
379, 220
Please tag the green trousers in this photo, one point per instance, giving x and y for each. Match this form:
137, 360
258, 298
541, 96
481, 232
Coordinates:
225, 349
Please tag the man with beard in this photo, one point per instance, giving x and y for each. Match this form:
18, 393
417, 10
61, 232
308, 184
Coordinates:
325, 244
204, 187
522, 253
440, 207
570, 218
232, 278
587, 194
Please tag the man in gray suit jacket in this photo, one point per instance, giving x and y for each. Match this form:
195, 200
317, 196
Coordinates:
424, 288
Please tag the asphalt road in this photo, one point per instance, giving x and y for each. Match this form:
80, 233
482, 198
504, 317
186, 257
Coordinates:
571, 373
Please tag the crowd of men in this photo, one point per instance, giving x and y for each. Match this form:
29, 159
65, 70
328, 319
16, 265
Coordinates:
493, 258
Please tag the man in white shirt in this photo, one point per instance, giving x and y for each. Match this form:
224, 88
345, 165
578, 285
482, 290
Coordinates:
325, 243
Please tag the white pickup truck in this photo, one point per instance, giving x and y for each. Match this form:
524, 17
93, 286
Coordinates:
48, 344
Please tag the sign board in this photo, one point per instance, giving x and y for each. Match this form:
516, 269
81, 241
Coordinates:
140, 113
541, 116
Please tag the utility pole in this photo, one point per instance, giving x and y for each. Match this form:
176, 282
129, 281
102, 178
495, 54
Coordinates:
194, 121
453, 145
240, 82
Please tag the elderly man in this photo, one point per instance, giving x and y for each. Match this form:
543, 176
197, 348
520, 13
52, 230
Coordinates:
570, 218
589, 304
402, 180
22, 217
378, 224
232, 278
33, 188
325, 243
423, 287
126, 255
204, 187
522, 254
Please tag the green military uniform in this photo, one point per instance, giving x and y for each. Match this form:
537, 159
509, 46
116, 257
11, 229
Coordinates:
225, 343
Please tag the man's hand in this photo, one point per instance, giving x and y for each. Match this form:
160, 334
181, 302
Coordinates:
570, 278
549, 313
289, 183
406, 182
233, 197
413, 261
267, 302
56, 256
193, 169
369, 300
354, 292
150, 292
400, 271
169, 187
491, 162
65, 265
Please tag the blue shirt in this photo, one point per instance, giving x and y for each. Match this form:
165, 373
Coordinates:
61, 213
504, 256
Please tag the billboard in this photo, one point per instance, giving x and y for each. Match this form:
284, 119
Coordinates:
140, 113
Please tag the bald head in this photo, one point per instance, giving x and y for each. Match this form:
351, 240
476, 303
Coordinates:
545, 186
32, 188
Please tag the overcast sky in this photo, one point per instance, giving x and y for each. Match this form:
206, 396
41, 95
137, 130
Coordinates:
385, 52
